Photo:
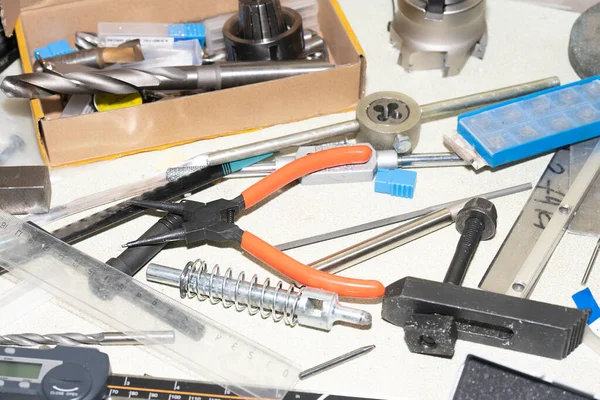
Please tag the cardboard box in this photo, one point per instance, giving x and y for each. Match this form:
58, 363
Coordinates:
152, 126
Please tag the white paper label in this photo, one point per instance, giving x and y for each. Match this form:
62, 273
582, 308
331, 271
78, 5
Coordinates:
145, 41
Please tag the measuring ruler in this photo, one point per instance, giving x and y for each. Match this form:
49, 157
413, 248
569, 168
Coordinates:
84, 374
126, 305
124, 387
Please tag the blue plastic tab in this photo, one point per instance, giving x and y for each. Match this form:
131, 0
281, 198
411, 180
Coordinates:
53, 49
396, 182
187, 32
236, 166
585, 299
534, 124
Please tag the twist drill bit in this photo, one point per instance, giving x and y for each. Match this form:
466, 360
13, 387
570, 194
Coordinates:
125, 81
77, 339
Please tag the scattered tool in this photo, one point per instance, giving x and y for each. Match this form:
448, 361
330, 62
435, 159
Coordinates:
591, 264
98, 57
527, 229
77, 339
483, 379
150, 190
263, 31
439, 34
383, 159
129, 305
129, 80
386, 241
528, 126
85, 374
583, 50
25, 189
334, 362
214, 222
434, 315
392, 120
396, 219
307, 306
530, 271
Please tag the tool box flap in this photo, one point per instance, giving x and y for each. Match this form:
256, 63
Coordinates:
11, 9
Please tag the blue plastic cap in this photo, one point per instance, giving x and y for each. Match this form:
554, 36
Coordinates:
396, 182
187, 32
54, 49
584, 299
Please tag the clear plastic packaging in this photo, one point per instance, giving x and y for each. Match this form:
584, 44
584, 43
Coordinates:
182, 53
203, 347
308, 9
112, 34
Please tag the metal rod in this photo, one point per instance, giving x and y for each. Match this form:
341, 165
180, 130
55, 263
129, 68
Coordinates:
445, 108
269, 146
398, 218
384, 242
96, 339
427, 160
590, 266
335, 362
531, 270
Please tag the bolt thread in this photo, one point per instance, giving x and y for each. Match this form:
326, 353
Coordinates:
269, 301
465, 250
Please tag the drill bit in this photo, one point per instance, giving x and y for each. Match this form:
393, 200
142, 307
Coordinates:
77, 339
127, 80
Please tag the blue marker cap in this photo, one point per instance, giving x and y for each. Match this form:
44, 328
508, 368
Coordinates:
396, 182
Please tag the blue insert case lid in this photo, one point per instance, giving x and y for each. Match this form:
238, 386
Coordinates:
534, 124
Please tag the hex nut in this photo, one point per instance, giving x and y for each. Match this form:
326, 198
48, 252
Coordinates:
483, 209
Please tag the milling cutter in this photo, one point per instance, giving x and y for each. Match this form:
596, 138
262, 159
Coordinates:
439, 34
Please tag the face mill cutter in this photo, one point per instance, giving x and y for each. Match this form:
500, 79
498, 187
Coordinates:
439, 34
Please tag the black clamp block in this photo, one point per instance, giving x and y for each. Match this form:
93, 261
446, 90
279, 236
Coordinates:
493, 319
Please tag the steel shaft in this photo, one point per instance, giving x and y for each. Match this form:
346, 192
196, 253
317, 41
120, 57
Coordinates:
446, 108
384, 242
125, 81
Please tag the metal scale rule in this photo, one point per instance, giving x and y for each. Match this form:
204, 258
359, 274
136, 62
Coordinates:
544, 201
123, 304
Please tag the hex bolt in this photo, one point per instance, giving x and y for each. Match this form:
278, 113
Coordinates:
402, 144
475, 222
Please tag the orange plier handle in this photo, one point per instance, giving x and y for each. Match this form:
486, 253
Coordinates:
285, 264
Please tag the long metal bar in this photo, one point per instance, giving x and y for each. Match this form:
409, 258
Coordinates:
262, 147
384, 242
398, 218
534, 264
445, 108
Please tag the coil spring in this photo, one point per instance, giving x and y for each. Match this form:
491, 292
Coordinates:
288, 297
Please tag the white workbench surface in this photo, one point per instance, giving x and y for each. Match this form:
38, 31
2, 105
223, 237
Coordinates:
526, 42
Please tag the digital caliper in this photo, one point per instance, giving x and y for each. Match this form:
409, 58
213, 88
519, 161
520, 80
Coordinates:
78, 373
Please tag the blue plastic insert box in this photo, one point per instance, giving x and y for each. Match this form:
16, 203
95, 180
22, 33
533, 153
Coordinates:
534, 124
